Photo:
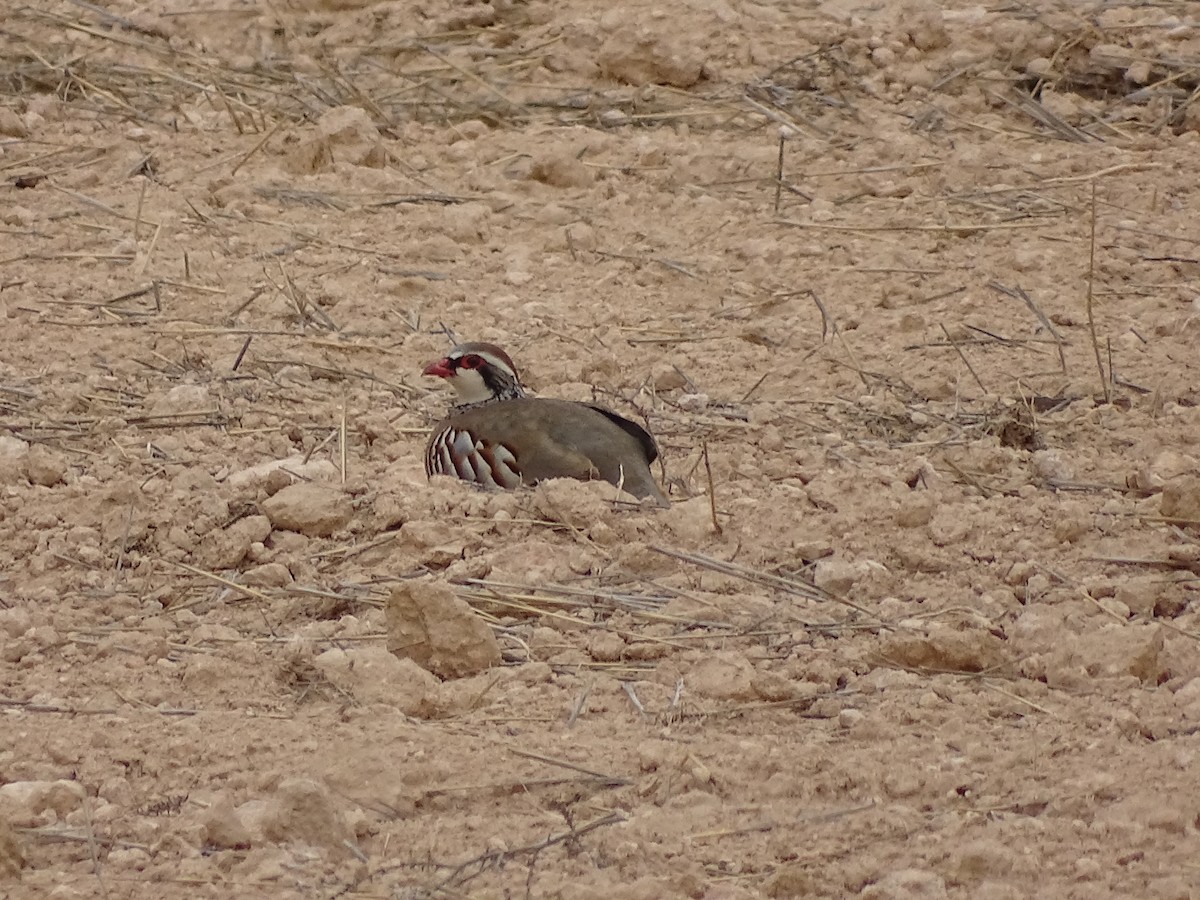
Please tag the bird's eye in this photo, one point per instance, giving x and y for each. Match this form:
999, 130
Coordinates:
471, 361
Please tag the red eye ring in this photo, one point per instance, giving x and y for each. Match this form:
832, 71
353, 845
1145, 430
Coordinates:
471, 361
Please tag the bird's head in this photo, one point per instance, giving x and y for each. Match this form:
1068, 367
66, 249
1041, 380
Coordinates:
479, 373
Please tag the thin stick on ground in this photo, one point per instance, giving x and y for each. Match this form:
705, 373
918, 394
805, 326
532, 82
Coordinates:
825, 320
1090, 315
240, 588
963, 357
144, 263
613, 780
471, 868
779, 171
137, 220
1020, 294
258, 146
242, 353
837, 332
712, 496
342, 443
577, 709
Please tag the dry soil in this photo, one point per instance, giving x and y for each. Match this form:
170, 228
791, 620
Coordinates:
908, 293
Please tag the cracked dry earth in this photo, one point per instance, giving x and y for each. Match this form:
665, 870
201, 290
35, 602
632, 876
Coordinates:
922, 618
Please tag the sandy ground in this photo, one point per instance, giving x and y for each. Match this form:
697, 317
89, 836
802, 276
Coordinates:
929, 627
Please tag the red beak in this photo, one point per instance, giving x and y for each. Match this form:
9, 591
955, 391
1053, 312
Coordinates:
441, 368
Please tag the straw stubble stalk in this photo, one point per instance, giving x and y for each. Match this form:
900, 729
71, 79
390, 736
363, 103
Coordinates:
1091, 316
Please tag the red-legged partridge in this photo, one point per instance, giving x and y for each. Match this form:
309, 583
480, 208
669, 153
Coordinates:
498, 437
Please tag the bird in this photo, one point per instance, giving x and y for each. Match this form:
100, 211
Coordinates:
495, 435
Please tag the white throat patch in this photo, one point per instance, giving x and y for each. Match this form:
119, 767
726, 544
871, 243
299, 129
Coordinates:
470, 387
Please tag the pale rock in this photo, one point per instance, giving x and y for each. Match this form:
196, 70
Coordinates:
775, 687
116, 791
1050, 466
848, 718
944, 649
374, 675
15, 621
916, 75
667, 377
1114, 651
576, 504
1038, 627
605, 646
26, 803
1187, 699
838, 576
950, 526
134, 858
883, 56
1184, 553
342, 134
1173, 818
581, 236
468, 223
915, 510
1111, 56
1072, 524
12, 858
822, 210
183, 398
983, 858
657, 54
310, 509
303, 810
1181, 499
290, 468
204, 674
268, 575
44, 466
1140, 593
439, 542
225, 548
691, 520
11, 447
192, 479
824, 491
1115, 608
428, 624
262, 864
614, 118
1039, 67
18, 216
925, 25
223, 828
1171, 464
561, 169
1066, 105
906, 884
11, 124
725, 676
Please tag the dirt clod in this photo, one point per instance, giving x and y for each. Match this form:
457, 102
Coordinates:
641, 55
310, 509
438, 631
1181, 500
12, 859
945, 650
925, 595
